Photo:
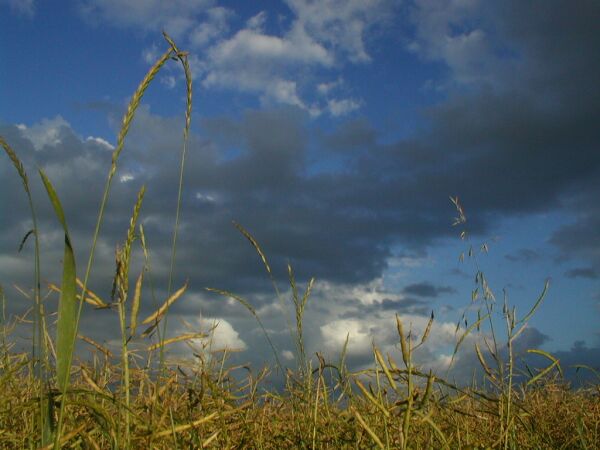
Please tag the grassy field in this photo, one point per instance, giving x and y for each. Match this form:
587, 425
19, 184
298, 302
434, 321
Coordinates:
134, 398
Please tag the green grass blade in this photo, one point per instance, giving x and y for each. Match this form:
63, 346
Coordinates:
555, 363
578, 367
66, 328
537, 303
466, 333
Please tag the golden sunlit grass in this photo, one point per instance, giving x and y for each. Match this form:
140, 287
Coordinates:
136, 399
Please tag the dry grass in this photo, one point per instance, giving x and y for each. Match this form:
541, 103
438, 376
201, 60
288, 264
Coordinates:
202, 405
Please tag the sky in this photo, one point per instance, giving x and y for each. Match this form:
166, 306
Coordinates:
335, 132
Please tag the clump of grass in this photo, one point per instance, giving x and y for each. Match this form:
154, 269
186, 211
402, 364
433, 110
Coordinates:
112, 400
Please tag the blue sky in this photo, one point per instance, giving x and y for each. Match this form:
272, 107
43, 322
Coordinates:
335, 131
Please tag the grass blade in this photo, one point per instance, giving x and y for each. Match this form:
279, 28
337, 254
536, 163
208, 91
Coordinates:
135, 305
537, 303
465, 334
250, 308
254, 243
555, 363
66, 328
157, 315
183, 337
368, 429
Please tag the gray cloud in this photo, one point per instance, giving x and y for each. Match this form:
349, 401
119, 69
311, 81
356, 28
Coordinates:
523, 255
508, 142
582, 272
426, 289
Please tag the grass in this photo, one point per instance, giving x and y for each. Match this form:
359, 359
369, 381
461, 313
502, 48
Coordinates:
127, 400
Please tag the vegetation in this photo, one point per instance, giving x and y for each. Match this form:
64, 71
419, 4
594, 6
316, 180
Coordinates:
129, 401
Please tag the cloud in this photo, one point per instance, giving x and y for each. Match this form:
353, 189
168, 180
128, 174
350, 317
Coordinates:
363, 333
223, 336
321, 35
351, 135
47, 132
175, 17
582, 272
426, 289
100, 141
21, 7
169, 81
327, 87
279, 67
580, 238
450, 31
214, 27
342, 107
252, 61
340, 24
507, 145
526, 255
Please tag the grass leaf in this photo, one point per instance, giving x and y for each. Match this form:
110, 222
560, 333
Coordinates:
66, 327
157, 315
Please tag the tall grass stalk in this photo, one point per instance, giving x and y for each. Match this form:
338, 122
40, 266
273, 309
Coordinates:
502, 378
39, 331
125, 125
122, 283
267, 266
182, 58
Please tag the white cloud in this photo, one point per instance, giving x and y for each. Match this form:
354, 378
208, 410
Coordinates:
365, 331
367, 293
223, 336
214, 27
169, 81
47, 132
250, 47
287, 355
334, 336
257, 22
340, 24
279, 68
205, 198
126, 177
283, 91
21, 7
102, 142
151, 54
328, 87
322, 35
445, 31
343, 106
258, 63
176, 17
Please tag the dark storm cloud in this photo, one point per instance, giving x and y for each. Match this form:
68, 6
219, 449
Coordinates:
514, 148
351, 135
518, 140
426, 289
579, 240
